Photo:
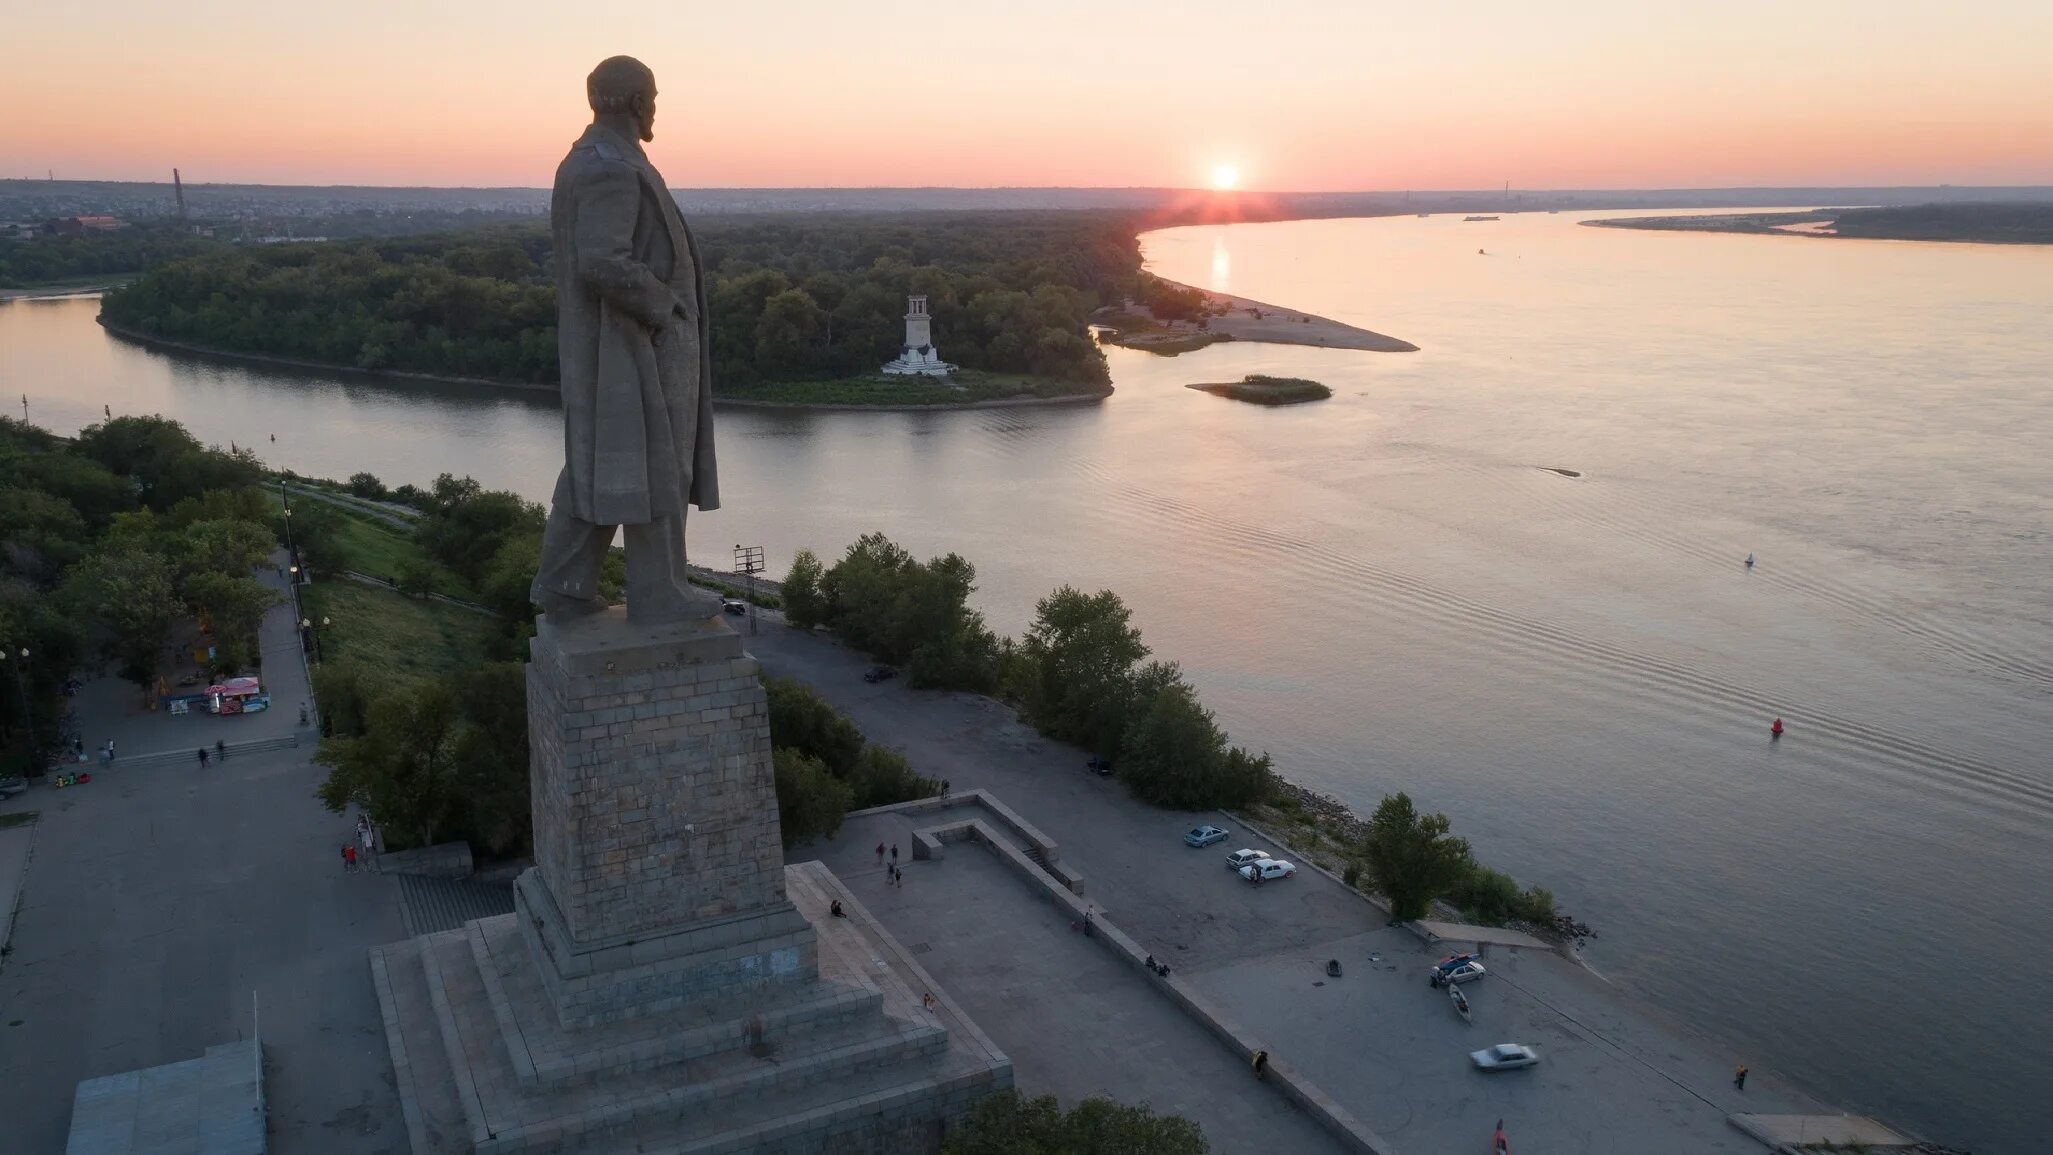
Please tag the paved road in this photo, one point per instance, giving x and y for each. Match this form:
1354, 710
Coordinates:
158, 901
1381, 1043
161, 898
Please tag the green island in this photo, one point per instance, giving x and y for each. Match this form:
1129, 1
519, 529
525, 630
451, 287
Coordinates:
1261, 389
804, 308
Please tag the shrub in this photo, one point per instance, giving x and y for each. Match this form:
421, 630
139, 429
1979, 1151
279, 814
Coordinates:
367, 486
1487, 896
802, 720
1352, 876
1535, 905
804, 607
882, 776
810, 801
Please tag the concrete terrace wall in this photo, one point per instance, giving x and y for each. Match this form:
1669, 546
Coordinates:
990, 831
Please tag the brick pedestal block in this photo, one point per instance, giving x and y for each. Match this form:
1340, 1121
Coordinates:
659, 872
657, 990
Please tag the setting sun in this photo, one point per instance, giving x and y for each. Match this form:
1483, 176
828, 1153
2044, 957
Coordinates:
1225, 176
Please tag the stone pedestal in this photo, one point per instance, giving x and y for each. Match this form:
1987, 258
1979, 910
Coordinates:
657, 988
659, 873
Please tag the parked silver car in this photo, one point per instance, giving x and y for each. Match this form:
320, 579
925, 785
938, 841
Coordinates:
1240, 858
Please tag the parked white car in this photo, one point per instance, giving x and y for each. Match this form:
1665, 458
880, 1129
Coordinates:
1240, 858
1266, 869
1504, 1057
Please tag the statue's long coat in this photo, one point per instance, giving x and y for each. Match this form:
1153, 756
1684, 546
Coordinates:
637, 378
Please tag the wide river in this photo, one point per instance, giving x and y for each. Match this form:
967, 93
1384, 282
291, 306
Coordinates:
1391, 591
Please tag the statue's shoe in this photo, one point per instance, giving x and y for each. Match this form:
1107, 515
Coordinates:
563, 607
669, 602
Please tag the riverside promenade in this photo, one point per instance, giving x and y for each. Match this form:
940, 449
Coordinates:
1386, 1047
163, 903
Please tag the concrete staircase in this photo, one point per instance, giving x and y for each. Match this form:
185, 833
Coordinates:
487, 1066
207, 1106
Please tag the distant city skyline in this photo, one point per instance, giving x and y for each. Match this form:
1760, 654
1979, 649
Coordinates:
1307, 95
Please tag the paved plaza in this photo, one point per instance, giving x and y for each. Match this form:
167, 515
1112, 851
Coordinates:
162, 899
1075, 1021
1616, 1076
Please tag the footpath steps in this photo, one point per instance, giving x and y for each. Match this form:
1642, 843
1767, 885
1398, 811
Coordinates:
213, 1105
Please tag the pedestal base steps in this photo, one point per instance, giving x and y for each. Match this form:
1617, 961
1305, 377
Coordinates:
850, 1060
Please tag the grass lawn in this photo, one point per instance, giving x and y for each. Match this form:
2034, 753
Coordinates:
409, 639
962, 387
379, 548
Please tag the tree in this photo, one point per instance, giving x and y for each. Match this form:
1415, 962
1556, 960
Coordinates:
1077, 668
233, 605
344, 689
881, 777
810, 800
1411, 859
367, 486
802, 720
804, 606
491, 757
230, 547
132, 591
1009, 1124
402, 769
317, 529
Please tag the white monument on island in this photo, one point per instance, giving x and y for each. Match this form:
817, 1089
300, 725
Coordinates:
918, 358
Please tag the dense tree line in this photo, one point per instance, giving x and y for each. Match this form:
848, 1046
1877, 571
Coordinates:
431, 763
107, 542
2015, 223
824, 766
24, 263
791, 297
1008, 1123
1077, 675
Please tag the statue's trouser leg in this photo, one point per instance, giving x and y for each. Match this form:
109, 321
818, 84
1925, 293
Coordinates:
572, 551
658, 588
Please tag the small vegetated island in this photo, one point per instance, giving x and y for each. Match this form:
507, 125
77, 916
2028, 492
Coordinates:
1259, 389
2002, 223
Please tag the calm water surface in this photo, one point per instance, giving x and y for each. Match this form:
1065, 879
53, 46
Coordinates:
1388, 590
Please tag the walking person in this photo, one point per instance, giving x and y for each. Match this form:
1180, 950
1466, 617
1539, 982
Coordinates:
1500, 1143
880, 854
927, 1000
1260, 1062
1739, 1077
944, 787
203, 757
349, 858
220, 750
894, 854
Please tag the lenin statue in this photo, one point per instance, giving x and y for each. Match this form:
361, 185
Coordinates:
634, 348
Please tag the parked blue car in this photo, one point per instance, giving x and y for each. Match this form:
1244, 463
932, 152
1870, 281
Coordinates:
1204, 836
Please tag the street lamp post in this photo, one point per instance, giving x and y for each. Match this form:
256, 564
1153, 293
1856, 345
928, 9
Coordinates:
314, 632
748, 561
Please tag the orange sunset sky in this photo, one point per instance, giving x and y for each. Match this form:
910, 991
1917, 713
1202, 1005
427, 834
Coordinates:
1295, 94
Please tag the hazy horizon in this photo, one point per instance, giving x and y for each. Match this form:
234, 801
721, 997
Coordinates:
1311, 96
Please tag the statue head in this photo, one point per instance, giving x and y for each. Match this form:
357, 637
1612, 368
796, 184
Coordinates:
623, 87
